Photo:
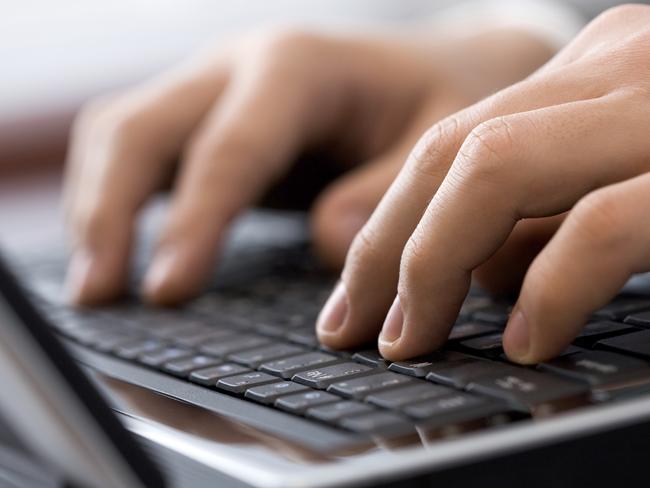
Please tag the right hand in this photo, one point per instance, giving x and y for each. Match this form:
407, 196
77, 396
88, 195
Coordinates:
238, 115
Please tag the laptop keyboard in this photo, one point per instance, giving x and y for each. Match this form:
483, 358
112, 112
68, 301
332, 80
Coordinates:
255, 340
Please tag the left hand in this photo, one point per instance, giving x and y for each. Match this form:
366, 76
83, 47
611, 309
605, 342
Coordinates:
484, 190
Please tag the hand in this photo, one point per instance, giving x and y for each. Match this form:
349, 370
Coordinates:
237, 116
487, 188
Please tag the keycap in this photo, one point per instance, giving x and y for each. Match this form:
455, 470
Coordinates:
134, 349
333, 412
487, 346
622, 307
241, 382
254, 357
269, 393
636, 344
157, 358
467, 330
495, 314
108, 341
395, 398
461, 373
303, 335
452, 409
595, 331
371, 357
378, 423
322, 377
420, 367
300, 402
597, 367
360, 387
641, 319
471, 305
209, 376
239, 343
287, 367
202, 336
526, 389
183, 367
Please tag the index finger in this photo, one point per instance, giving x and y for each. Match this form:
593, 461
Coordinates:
497, 178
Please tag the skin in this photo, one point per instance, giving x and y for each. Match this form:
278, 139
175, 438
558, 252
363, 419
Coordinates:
229, 123
558, 162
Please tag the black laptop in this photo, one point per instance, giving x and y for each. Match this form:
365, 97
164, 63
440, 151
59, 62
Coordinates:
234, 390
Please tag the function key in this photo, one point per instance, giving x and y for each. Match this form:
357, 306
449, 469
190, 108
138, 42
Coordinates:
241, 382
322, 377
360, 387
420, 367
333, 412
254, 357
271, 392
209, 376
383, 424
183, 367
395, 398
300, 402
287, 367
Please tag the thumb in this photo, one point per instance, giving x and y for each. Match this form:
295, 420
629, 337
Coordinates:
345, 205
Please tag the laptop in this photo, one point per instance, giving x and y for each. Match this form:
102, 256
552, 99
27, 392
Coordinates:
233, 389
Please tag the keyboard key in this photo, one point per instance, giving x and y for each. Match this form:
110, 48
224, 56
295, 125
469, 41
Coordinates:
269, 393
597, 367
595, 331
641, 319
203, 336
395, 398
107, 341
305, 336
636, 344
371, 357
254, 357
528, 390
322, 377
360, 387
333, 412
452, 410
471, 329
378, 423
420, 367
210, 376
620, 308
300, 402
237, 343
134, 349
287, 367
497, 313
183, 367
487, 346
157, 358
241, 382
471, 305
462, 372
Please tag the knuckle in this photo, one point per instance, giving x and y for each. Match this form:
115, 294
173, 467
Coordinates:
414, 263
431, 155
365, 253
286, 42
599, 219
93, 222
487, 151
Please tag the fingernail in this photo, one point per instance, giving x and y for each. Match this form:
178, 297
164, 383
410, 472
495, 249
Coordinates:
160, 271
80, 276
392, 328
334, 312
518, 335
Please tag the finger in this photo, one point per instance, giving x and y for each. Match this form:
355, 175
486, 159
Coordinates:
498, 178
602, 243
503, 273
242, 146
121, 157
370, 275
